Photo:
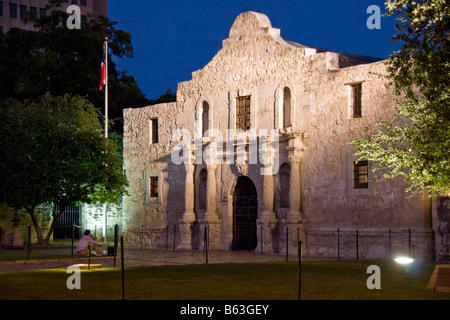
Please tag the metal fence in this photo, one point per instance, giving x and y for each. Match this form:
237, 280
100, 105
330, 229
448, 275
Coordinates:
338, 244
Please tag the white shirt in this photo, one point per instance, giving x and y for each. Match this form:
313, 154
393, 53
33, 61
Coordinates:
83, 243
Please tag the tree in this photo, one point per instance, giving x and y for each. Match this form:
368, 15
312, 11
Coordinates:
55, 152
55, 60
416, 143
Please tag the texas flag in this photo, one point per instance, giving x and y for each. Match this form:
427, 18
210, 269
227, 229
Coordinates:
103, 70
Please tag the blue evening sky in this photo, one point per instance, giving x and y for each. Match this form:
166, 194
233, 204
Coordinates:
173, 38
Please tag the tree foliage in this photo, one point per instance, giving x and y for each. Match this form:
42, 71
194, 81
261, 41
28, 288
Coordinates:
416, 143
54, 151
55, 60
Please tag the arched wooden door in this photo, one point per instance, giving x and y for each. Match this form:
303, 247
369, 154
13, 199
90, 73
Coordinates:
245, 213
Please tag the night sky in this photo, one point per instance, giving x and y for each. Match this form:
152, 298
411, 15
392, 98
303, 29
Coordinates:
173, 38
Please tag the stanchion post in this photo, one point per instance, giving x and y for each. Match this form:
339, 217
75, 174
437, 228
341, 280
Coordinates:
174, 237
167, 237
123, 268
206, 244
29, 242
338, 243
357, 249
390, 247
287, 243
142, 236
262, 241
73, 236
299, 269
409, 242
116, 234
89, 257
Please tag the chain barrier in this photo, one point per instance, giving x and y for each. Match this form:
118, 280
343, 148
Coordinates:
346, 243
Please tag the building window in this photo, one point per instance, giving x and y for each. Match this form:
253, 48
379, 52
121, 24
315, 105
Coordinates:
153, 187
361, 174
1, 8
286, 108
356, 100
1, 30
42, 13
74, 2
23, 12
13, 11
205, 118
154, 130
83, 3
33, 11
243, 113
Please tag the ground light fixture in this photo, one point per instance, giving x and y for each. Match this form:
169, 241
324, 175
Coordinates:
404, 261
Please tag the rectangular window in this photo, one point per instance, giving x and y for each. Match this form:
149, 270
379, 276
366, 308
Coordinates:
23, 12
33, 10
361, 174
243, 113
1, 8
83, 3
356, 100
42, 12
1, 30
13, 11
154, 131
153, 187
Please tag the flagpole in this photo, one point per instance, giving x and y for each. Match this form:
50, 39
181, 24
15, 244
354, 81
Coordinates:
106, 130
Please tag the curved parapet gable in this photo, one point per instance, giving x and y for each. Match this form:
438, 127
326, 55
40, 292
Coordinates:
254, 25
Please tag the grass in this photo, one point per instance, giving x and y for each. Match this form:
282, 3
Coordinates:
324, 280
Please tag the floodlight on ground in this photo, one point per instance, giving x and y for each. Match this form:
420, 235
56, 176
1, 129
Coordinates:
404, 260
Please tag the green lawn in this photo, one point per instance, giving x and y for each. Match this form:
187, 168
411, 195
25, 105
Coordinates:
324, 280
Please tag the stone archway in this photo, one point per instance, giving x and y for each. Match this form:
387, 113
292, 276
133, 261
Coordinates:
245, 214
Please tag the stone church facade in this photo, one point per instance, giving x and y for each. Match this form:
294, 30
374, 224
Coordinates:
255, 151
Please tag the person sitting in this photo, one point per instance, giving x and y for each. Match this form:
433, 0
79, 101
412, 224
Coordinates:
88, 244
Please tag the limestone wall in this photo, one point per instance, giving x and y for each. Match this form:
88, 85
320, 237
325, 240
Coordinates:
256, 61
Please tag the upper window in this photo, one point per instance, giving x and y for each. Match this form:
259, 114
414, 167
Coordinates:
23, 12
13, 11
356, 100
287, 108
361, 174
205, 117
243, 113
1, 8
153, 187
83, 3
154, 131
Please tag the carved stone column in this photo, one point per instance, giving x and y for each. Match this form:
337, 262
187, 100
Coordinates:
211, 196
294, 213
188, 218
292, 228
267, 221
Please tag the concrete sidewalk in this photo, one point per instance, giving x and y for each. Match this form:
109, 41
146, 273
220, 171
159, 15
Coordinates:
140, 257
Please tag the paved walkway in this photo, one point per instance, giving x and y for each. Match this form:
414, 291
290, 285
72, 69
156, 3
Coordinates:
140, 257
